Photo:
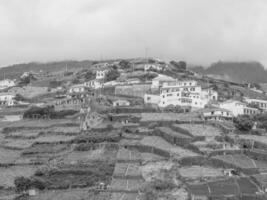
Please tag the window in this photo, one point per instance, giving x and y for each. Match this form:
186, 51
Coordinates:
212, 112
163, 96
148, 98
177, 94
169, 95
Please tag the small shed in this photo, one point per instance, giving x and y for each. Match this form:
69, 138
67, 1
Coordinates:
121, 102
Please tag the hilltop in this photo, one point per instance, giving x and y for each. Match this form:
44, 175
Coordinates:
239, 72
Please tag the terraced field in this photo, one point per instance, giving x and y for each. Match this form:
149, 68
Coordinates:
158, 142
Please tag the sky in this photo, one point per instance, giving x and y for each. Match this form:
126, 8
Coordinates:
197, 31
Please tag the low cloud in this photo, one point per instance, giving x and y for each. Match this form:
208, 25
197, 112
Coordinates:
199, 32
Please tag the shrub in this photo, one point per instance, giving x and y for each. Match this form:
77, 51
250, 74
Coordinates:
48, 111
22, 184
243, 123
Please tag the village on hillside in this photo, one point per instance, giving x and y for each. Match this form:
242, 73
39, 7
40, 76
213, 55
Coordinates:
131, 129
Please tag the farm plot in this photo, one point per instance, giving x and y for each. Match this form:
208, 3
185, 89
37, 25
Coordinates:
150, 157
154, 170
126, 184
70, 194
247, 186
128, 155
24, 134
68, 130
54, 139
238, 160
124, 196
224, 187
192, 116
195, 172
158, 142
168, 131
257, 138
40, 123
77, 175
8, 175
126, 169
17, 143
45, 148
200, 129
8, 156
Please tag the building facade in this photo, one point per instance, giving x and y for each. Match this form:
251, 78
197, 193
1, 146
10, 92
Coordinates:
184, 93
6, 84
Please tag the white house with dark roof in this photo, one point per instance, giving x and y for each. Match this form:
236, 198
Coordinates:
159, 80
216, 114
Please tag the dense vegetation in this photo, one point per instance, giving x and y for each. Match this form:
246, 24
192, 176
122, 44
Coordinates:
48, 112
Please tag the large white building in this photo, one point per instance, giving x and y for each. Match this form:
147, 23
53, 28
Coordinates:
182, 93
6, 83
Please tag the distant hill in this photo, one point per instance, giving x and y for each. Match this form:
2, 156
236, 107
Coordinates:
15, 71
239, 72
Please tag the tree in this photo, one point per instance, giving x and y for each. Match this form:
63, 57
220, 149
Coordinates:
112, 75
243, 123
124, 64
89, 75
22, 184
179, 66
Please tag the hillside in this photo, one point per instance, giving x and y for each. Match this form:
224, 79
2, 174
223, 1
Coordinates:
236, 71
15, 71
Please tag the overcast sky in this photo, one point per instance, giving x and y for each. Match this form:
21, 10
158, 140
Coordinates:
198, 31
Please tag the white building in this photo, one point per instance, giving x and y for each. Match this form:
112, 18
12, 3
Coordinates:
217, 114
7, 99
100, 74
238, 108
95, 84
159, 80
210, 94
6, 83
80, 88
182, 93
262, 104
157, 67
121, 102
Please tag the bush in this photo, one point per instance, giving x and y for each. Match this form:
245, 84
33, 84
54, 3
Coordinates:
243, 123
22, 184
49, 112
112, 75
